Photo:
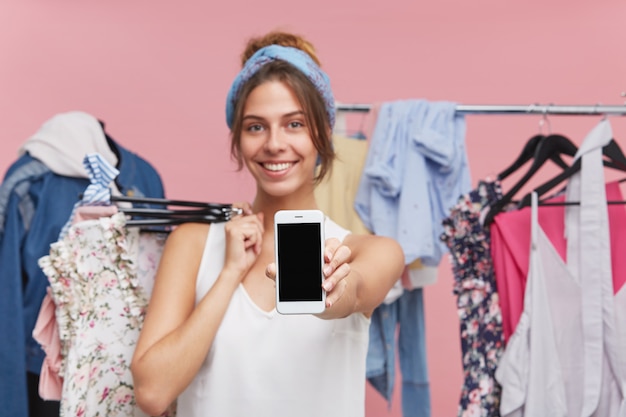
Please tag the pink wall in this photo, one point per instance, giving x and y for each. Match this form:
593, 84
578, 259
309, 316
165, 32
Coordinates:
158, 71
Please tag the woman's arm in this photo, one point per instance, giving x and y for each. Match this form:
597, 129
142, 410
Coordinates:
177, 334
363, 275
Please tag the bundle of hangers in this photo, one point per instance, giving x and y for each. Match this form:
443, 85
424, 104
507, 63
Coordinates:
146, 212
199, 212
539, 148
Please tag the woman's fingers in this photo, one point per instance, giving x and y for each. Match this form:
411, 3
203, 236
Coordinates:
337, 292
336, 277
336, 268
330, 246
339, 255
244, 238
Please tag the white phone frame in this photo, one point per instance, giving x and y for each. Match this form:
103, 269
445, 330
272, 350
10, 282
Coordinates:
295, 217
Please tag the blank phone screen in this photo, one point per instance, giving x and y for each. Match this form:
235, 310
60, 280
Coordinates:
299, 262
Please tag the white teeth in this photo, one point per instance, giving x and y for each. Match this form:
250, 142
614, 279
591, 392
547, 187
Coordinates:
277, 167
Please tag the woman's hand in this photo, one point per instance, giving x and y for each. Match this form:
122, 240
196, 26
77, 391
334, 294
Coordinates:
244, 237
336, 268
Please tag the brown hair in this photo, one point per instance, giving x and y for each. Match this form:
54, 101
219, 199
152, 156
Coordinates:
309, 98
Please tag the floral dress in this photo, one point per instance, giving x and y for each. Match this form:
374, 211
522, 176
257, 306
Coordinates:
482, 340
95, 275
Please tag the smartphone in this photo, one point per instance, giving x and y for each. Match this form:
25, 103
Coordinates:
299, 251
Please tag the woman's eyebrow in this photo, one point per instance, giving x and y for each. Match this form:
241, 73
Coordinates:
252, 116
284, 116
294, 113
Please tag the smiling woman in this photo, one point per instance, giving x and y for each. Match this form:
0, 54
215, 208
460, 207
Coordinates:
293, 63
275, 144
213, 303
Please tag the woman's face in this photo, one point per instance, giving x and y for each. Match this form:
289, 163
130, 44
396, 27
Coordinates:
275, 142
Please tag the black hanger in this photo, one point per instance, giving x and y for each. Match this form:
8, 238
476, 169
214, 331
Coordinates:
614, 159
178, 216
168, 202
151, 216
550, 147
145, 211
527, 153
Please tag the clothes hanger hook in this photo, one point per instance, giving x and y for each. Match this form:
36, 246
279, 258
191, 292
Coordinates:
545, 121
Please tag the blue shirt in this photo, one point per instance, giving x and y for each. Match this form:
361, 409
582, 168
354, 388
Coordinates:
35, 203
415, 170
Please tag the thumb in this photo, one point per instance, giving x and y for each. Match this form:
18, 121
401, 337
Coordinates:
270, 271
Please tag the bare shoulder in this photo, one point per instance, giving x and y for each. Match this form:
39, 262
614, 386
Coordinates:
189, 236
183, 250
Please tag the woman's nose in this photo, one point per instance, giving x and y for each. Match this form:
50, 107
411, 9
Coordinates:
275, 141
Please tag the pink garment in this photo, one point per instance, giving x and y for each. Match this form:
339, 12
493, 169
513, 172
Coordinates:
46, 333
510, 249
93, 212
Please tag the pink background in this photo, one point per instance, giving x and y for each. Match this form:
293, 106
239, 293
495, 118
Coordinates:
157, 73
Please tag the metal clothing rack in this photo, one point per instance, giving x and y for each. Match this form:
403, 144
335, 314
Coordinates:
543, 109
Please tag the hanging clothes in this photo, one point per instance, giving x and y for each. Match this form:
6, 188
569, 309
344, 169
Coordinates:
406, 315
46, 331
35, 203
565, 355
335, 194
101, 276
415, 170
480, 320
511, 240
65, 139
529, 372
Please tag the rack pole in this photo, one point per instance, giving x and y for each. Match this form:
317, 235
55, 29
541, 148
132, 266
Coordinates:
577, 110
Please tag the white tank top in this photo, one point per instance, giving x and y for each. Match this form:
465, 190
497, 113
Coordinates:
267, 364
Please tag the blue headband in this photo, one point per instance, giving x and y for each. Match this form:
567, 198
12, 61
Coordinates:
299, 59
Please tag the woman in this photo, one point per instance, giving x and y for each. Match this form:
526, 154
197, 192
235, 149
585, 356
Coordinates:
212, 338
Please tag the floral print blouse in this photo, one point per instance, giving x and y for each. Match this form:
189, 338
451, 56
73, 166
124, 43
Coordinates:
482, 341
96, 273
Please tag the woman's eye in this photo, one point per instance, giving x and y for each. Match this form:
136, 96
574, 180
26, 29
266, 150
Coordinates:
295, 124
254, 128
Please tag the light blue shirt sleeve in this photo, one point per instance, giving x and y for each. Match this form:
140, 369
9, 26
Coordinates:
381, 180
